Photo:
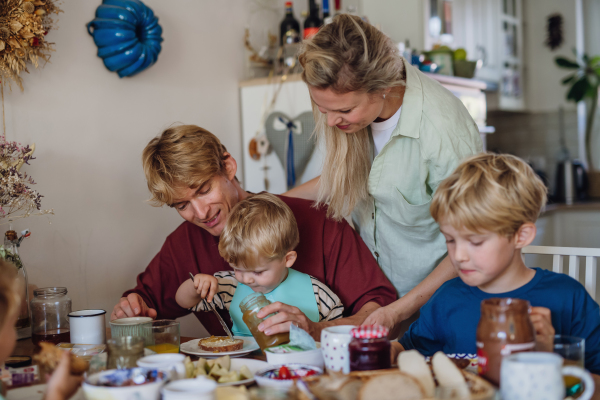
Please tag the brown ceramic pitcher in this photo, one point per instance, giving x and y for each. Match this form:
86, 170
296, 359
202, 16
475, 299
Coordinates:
504, 328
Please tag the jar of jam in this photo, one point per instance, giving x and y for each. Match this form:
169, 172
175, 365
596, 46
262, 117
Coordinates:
504, 328
369, 348
250, 307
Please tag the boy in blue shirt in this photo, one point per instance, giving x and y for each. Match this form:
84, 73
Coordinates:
487, 211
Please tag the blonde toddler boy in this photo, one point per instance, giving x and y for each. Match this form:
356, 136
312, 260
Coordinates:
258, 242
487, 211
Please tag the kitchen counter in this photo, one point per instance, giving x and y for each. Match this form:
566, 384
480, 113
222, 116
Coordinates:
589, 205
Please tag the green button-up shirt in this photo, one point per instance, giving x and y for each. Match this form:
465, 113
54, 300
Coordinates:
434, 133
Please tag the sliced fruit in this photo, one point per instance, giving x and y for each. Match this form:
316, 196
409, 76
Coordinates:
233, 376
224, 362
245, 373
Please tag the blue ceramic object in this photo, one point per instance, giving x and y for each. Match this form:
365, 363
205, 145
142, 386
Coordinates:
127, 34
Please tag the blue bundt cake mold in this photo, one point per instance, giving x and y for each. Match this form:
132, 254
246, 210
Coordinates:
127, 34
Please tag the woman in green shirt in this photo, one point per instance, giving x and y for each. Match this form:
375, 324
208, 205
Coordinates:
391, 136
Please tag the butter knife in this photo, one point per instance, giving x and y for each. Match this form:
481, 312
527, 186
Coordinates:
211, 307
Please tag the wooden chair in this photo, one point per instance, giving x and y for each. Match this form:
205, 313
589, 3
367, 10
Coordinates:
574, 253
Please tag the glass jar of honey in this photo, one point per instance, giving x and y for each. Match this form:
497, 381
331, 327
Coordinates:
369, 348
250, 307
50, 309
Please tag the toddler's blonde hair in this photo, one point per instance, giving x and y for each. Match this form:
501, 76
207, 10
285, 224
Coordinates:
490, 192
10, 285
261, 225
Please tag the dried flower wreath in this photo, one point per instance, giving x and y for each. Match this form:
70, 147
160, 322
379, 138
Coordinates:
23, 28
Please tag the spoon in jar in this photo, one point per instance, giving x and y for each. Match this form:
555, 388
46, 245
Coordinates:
212, 308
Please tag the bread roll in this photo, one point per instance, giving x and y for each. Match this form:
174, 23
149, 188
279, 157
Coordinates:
392, 386
413, 363
448, 374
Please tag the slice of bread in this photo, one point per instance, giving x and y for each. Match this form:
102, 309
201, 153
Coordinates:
392, 386
220, 344
413, 363
50, 356
448, 375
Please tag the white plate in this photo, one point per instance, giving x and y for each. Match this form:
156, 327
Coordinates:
236, 363
192, 347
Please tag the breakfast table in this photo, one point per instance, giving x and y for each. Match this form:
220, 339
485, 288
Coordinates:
25, 347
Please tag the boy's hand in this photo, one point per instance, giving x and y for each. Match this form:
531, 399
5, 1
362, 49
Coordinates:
206, 286
544, 331
62, 385
395, 350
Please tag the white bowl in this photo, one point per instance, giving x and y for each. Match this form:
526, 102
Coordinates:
147, 391
190, 389
309, 357
262, 377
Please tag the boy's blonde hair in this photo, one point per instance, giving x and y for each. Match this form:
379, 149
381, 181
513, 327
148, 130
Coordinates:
490, 192
182, 157
261, 225
10, 285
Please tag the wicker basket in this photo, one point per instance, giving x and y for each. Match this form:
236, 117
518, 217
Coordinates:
479, 387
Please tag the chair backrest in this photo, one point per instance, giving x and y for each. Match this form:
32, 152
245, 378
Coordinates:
574, 253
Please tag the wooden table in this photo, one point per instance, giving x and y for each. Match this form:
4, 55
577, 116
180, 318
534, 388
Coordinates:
26, 348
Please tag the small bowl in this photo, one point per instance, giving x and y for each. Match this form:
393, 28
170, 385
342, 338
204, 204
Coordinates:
190, 389
309, 357
109, 384
264, 377
134, 326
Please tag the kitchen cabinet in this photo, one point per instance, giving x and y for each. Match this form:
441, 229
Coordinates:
492, 31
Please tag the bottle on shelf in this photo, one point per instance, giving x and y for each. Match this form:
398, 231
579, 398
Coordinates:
289, 30
325, 10
312, 23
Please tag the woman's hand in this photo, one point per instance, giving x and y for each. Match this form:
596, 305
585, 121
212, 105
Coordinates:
62, 385
544, 331
384, 316
286, 315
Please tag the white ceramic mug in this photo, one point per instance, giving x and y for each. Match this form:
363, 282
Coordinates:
170, 362
87, 327
188, 389
334, 342
539, 376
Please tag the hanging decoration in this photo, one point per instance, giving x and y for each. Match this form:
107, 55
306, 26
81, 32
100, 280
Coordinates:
554, 31
127, 34
24, 25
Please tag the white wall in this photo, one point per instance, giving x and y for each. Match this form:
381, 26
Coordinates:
544, 91
399, 19
90, 127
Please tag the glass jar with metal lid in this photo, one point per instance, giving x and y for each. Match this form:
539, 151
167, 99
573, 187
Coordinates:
50, 310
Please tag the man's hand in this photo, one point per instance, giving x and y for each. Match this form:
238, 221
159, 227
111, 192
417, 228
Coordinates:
384, 316
544, 331
206, 286
62, 385
132, 306
286, 315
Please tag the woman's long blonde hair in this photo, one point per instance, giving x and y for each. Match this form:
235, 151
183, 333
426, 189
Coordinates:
348, 55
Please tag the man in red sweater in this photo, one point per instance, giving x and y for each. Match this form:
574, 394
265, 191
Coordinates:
190, 170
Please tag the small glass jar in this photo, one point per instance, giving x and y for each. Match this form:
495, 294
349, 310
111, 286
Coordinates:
370, 348
50, 309
250, 306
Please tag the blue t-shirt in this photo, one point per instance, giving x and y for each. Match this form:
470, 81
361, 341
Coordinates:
448, 321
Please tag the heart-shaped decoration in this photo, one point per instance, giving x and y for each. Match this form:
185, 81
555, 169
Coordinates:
278, 134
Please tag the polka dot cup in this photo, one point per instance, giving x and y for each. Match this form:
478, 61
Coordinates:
334, 342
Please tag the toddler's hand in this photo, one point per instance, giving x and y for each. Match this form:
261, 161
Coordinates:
544, 331
62, 385
206, 286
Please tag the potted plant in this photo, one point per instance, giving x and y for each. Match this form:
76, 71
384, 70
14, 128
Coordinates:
584, 82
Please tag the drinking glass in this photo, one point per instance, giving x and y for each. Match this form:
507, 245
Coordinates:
572, 350
165, 336
124, 351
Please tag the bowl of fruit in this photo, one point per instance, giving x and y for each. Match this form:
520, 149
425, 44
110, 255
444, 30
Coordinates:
283, 376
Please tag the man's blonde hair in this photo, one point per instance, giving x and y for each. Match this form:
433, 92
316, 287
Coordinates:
182, 157
261, 225
490, 192
348, 55
10, 289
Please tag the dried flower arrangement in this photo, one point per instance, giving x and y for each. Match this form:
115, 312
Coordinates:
23, 28
17, 199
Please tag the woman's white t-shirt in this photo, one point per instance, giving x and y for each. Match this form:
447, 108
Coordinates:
382, 131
